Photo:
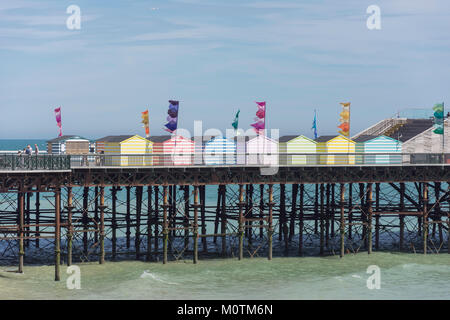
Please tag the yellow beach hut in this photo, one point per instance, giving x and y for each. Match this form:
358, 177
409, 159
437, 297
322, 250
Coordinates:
125, 150
297, 144
329, 148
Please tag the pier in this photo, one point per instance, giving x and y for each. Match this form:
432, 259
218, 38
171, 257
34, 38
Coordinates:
71, 209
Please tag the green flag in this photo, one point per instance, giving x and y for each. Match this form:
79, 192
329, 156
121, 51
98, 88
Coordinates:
438, 118
236, 120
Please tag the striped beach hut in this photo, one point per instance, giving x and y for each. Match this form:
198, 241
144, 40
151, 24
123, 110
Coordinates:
220, 150
297, 144
336, 144
262, 150
241, 147
68, 144
178, 151
378, 144
158, 149
199, 143
125, 150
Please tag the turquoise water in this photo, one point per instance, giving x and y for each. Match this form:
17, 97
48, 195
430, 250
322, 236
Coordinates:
20, 144
403, 276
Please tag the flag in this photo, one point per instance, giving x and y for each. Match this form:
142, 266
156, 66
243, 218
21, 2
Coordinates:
260, 119
235, 123
172, 118
58, 120
314, 125
345, 119
438, 118
145, 121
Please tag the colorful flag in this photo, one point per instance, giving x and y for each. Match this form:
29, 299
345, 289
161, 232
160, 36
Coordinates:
260, 119
58, 120
314, 125
438, 118
172, 119
345, 119
145, 121
235, 123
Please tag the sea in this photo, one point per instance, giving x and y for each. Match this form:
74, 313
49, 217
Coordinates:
399, 276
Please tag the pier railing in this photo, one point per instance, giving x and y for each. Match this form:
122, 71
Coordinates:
67, 162
34, 162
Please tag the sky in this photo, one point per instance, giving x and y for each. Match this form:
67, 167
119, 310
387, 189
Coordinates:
216, 57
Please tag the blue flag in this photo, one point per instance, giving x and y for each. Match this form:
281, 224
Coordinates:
314, 125
172, 117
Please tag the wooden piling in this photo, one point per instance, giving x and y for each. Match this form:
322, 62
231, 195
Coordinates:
377, 217
113, 222
128, 217
57, 233
270, 227
321, 217
186, 215
293, 211
301, 222
350, 210
402, 217
69, 225
425, 217
342, 220
85, 219
195, 235
137, 238
102, 225
156, 220
223, 220
149, 223
203, 216
21, 199
261, 210
241, 205
37, 218
165, 224
370, 215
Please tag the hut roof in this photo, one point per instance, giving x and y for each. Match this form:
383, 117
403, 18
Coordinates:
364, 138
291, 137
159, 138
64, 138
115, 138
325, 138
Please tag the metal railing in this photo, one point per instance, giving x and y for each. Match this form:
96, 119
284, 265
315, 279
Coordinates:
10, 161
67, 162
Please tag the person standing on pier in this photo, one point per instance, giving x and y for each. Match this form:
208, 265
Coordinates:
36, 149
28, 150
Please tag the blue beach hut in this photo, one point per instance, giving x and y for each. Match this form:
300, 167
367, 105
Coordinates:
220, 150
378, 144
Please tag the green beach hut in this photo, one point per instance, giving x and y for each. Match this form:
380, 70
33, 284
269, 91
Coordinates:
297, 144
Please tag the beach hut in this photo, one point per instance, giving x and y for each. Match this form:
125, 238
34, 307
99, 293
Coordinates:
335, 145
220, 150
262, 150
378, 144
297, 144
158, 149
177, 150
68, 144
125, 150
199, 143
241, 147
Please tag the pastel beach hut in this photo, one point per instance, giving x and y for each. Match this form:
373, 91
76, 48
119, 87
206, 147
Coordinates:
199, 146
219, 150
125, 150
297, 144
241, 148
68, 144
329, 148
158, 149
178, 151
262, 150
371, 145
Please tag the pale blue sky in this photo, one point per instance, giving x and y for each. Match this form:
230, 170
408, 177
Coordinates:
217, 57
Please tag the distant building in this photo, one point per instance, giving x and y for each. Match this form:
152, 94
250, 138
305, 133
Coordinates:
134, 150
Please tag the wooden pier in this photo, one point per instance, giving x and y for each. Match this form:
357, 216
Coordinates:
153, 213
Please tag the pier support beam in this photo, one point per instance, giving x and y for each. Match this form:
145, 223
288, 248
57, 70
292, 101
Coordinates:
69, 208
114, 223
342, 220
102, 225
425, 217
270, 228
137, 238
402, 217
21, 198
196, 205
301, 222
57, 234
165, 224
241, 205
149, 223
369, 218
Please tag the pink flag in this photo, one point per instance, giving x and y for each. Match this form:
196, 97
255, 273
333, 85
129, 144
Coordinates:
58, 120
260, 119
